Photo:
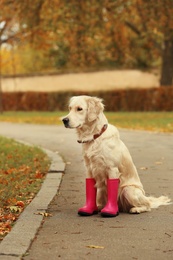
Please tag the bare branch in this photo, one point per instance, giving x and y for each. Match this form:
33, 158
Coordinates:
133, 27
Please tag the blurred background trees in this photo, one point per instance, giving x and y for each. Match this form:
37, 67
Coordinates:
52, 35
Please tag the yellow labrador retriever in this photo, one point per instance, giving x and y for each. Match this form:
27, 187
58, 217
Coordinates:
112, 181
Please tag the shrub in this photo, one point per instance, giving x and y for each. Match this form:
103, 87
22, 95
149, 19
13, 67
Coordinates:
153, 99
25, 101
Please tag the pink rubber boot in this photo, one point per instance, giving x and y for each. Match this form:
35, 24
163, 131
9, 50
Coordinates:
111, 208
90, 207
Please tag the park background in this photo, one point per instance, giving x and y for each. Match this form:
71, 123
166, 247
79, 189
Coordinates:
50, 50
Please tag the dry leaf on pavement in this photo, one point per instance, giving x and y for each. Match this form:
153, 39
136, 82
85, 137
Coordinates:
96, 247
44, 214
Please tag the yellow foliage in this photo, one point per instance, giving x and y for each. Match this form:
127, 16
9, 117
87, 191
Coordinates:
10, 62
21, 60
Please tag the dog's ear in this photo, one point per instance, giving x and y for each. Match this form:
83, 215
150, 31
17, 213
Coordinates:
95, 107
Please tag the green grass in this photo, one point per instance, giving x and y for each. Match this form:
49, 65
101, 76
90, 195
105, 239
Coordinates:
32, 117
22, 171
152, 121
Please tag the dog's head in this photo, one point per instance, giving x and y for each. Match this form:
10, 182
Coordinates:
83, 110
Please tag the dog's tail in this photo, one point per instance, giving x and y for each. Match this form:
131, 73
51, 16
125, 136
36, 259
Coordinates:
156, 202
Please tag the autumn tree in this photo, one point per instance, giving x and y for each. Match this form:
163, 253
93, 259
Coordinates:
84, 34
8, 30
91, 34
152, 22
12, 32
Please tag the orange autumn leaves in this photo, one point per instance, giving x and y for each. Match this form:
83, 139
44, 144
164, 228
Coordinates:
22, 171
8, 215
75, 34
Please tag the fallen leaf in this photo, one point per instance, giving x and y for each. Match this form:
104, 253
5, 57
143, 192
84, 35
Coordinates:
76, 233
9, 171
38, 175
143, 168
15, 209
117, 227
44, 214
20, 204
158, 162
11, 201
9, 217
96, 247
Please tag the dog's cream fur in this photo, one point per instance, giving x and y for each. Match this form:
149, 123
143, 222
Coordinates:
108, 157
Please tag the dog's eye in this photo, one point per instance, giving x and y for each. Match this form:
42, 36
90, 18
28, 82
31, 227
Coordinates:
79, 109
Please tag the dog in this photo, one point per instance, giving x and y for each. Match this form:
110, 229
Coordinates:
112, 180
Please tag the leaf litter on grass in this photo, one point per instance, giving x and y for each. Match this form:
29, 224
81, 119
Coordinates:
22, 170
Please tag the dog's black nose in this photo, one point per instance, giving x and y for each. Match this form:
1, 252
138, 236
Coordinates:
65, 121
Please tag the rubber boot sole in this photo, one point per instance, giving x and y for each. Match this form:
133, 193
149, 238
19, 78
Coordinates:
109, 215
86, 214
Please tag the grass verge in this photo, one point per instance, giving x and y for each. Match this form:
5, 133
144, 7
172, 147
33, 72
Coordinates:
22, 172
152, 121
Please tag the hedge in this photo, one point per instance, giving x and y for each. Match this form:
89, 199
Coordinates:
153, 99
25, 101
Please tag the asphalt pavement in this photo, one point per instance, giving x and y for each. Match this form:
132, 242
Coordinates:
64, 234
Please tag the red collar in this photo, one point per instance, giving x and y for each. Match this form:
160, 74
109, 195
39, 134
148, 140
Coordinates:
94, 136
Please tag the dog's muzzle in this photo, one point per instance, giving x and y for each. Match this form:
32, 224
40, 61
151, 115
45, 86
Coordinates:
66, 121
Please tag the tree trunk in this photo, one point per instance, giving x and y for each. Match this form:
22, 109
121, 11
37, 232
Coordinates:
167, 64
1, 106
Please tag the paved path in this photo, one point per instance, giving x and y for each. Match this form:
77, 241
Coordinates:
65, 235
100, 80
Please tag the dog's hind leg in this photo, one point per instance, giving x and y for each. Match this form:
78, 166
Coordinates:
133, 200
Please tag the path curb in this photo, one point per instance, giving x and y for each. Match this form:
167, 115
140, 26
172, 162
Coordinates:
17, 242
